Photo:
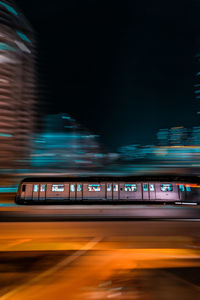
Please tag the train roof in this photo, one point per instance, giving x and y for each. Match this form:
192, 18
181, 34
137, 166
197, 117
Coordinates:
161, 178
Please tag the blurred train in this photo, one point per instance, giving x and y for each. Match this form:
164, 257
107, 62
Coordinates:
108, 190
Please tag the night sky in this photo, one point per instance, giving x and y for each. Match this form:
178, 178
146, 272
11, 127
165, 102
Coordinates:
123, 69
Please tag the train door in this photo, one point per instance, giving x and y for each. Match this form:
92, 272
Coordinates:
152, 191
27, 191
182, 194
109, 191
79, 191
115, 191
36, 191
145, 191
72, 191
42, 196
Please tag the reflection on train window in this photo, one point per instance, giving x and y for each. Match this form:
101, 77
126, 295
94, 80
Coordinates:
79, 187
167, 187
188, 188
130, 187
42, 188
115, 188
181, 188
72, 187
151, 187
57, 187
36, 188
109, 187
23, 188
145, 187
94, 187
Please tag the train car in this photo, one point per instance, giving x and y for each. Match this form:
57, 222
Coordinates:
107, 189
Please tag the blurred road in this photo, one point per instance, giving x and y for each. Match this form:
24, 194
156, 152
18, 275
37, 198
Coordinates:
98, 259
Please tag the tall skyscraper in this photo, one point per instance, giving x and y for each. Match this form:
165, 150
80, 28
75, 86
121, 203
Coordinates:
17, 86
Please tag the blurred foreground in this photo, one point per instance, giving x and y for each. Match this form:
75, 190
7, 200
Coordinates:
100, 260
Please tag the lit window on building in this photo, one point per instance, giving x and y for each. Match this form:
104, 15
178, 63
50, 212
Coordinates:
181, 188
167, 187
145, 187
130, 187
72, 187
188, 188
151, 187
36, 188
79, 187
42, 188
94, 187
109, 187
115, 188
58, 187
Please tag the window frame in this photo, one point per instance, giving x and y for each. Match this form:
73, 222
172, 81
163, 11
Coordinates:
166, 184
93, 185
131, 185
54, 185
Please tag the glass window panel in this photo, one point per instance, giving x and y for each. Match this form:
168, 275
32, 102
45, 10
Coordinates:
23, 188
181, 188
57, 187
36, 188
109, 187
115, 188
167, 187
42, 188
79, 187
188, 188
72, 187
145, 187
94, 187
151, 187
130, 187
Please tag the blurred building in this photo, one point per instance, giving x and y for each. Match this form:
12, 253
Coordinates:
17, 86
64, 144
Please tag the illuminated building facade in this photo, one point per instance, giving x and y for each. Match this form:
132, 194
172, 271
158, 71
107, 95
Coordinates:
17, 86
64, 144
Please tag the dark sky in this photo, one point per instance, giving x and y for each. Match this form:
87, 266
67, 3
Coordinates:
123, 69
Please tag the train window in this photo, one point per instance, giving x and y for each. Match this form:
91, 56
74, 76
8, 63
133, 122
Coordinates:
167, 187
42, 188
115, 188
58, 187
23, 188
130, 187
151, 187
181, 188
72, 187
36, 188
79, 187
94, 187
145, 187
109, 187
188, 188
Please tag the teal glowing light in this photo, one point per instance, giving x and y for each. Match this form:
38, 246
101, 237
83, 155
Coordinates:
5, 135
65, 117
198, 73
23, 37
9, 8
197, 92
6, 47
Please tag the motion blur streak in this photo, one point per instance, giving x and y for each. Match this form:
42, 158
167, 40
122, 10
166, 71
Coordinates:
100, 260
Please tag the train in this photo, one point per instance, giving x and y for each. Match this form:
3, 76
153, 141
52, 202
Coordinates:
131, 189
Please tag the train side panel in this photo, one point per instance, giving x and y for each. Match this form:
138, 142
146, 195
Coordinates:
94, 191
167, 191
